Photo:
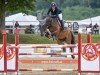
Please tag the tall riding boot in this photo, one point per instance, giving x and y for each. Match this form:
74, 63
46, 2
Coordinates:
62, 24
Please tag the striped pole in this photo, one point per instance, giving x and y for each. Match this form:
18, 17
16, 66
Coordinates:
51, 61
48, 70
4, 32
48, 53
49, 46
44, 46
16, 31
79, 52
89, 39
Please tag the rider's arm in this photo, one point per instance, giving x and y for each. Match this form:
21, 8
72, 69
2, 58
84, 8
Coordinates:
58, 11
49, 11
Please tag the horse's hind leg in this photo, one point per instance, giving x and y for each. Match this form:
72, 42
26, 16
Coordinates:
72, 50
64, 49
69, 39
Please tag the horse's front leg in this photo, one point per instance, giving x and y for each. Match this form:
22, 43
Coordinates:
72, 51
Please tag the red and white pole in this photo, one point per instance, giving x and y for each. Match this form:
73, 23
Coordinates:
16, 32
4, 33
89, 39
79, 53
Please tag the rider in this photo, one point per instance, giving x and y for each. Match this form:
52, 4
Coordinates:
56, 12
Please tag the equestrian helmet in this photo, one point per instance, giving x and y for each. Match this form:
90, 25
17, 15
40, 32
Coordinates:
53, 4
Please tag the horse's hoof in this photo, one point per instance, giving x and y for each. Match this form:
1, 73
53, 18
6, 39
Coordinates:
73, 57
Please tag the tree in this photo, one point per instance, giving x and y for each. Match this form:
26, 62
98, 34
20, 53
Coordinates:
14, 5
95, 3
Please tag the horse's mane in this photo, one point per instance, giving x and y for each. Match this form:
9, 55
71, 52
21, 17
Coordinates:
50, 21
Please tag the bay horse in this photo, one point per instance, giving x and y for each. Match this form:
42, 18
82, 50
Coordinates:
53, 29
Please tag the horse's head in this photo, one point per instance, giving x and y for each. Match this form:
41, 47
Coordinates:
46, 25
48, 21
49, 26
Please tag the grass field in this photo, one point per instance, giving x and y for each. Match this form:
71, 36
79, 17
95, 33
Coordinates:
37, 39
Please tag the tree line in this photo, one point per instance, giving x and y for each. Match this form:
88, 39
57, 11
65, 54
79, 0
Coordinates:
72, 9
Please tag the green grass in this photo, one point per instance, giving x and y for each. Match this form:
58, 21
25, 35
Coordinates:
37, 39
95, 38
34, 39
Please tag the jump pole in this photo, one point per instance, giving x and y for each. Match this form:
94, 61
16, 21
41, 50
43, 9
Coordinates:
79, 49
17, 43
48, 70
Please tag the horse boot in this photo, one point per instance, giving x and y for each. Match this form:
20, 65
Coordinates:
62, 24
46, 34
73, 56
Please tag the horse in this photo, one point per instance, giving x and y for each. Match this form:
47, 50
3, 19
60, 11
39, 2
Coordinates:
53, 30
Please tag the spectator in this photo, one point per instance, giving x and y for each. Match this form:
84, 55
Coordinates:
16, 24
29, 29
90, 26
95, 28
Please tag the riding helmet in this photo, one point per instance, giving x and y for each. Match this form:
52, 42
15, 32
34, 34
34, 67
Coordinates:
53, 4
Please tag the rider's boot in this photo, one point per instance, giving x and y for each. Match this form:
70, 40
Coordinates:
62, 24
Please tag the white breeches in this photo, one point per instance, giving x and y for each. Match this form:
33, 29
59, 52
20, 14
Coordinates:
60, 16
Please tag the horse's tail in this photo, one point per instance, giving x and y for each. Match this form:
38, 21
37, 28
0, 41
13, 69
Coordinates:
73, 38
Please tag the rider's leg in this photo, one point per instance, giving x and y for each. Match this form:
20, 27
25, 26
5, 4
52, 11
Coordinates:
62, 24
61, 20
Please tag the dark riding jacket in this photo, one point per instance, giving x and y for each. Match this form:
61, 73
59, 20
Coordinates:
56, 12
